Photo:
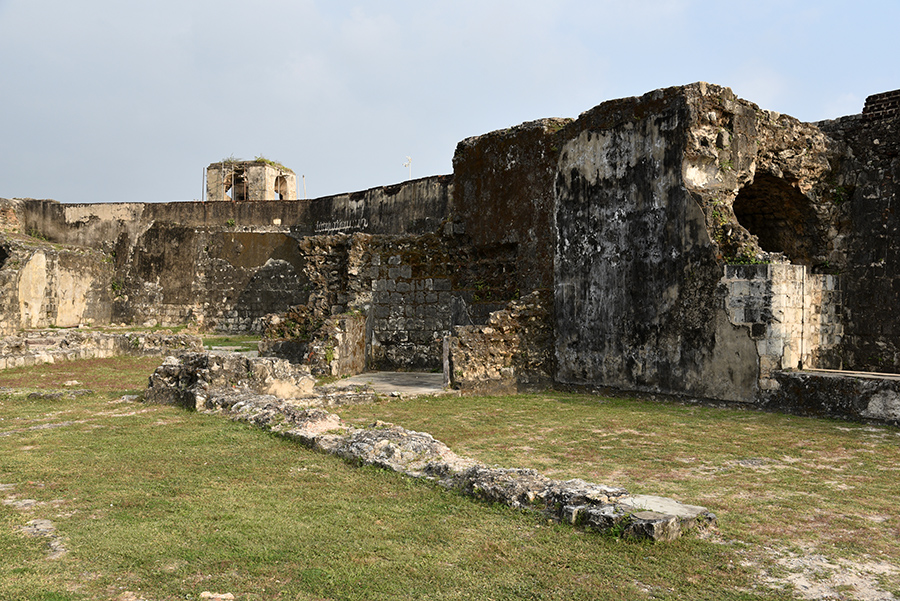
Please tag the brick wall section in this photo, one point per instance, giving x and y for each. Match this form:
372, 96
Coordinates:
424, 287
882, 106
512, 352
793, 316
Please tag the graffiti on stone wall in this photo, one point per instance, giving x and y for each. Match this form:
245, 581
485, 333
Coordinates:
345, 225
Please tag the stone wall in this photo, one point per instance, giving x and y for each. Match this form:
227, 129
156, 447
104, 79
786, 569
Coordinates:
54, 346
503, 192
424, 286
865, 191
411, 207
793, 315
656, 195
336, 348
638, 302
50, 286
512, 352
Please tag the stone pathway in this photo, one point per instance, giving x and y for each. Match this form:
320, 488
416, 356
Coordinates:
406, 384
37, 528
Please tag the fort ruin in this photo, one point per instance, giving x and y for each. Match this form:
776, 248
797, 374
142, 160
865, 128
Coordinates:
685, 242
241, 181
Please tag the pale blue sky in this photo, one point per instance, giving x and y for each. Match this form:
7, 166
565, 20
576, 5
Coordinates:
116, 100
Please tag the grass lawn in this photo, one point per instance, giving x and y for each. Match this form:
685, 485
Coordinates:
157, 503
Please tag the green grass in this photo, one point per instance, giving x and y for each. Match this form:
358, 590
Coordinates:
769, 476
167, 503
239, 342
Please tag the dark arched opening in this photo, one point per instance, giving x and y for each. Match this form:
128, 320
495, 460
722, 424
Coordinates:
281, 188
780, 216
236, 186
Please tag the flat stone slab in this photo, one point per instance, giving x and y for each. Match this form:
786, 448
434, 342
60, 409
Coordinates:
406, 384
663, 505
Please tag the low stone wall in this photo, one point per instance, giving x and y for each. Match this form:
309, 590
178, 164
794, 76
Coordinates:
53, 346
512, 352
187, 379
337, 348
832, 394
231, 385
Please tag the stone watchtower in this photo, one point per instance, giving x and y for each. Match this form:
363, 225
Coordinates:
250, 180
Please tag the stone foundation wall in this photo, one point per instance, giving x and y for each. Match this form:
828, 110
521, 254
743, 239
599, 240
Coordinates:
837, 395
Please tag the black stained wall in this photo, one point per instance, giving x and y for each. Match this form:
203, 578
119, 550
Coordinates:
638, 302
866, 183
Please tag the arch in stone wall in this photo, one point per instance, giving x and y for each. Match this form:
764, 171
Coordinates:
236, 185
281, 187
780, 216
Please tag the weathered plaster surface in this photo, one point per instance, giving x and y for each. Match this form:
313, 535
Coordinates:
638, 303
32, 291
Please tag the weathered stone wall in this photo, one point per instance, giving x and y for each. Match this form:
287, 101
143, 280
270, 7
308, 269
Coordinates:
793, 315
49, 286
224, 265
638, 301
865, 191
335, 348
412, 207
512, 352
186, 380
424, 286
503, 192
656, 195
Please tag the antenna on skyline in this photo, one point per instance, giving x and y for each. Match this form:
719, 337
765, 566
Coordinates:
408, 163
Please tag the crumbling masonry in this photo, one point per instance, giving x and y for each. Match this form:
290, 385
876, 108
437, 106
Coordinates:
684, 242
